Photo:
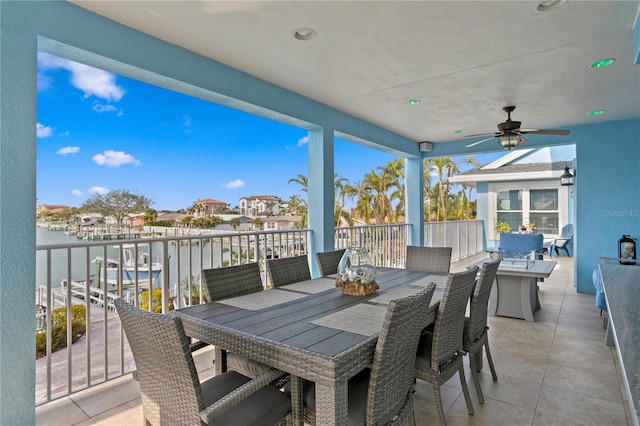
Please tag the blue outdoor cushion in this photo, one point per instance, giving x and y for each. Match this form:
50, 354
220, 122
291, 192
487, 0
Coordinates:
521, 243
601, 302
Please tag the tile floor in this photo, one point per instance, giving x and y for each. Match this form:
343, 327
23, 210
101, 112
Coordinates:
555, 371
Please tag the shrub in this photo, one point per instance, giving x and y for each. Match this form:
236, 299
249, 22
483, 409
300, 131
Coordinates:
502, 227
59, 329
156, 297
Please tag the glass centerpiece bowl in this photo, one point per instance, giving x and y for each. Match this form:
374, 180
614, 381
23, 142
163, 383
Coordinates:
356, 273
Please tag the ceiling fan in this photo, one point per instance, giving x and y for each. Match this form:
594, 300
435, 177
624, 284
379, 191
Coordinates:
510, 134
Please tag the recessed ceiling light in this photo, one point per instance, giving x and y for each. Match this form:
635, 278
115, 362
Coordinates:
597, 112
458, 131
304, 34
602, 63
547, 6
413, 101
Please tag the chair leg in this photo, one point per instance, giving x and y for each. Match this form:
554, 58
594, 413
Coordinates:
438, 398
297, 406
465, 390
474, 376
220, 361
490, 361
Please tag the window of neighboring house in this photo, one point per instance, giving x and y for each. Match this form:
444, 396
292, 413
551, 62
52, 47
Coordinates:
544, 204
271, 225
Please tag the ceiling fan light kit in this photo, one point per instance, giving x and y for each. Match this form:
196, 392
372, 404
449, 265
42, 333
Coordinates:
510, 140
510, 132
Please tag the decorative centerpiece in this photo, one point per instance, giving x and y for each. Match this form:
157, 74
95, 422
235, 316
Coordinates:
356, 273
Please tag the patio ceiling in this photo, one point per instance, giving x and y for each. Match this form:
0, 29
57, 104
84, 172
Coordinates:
463, 60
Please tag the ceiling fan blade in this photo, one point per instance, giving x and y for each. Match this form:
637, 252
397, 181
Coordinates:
481, 134
543, 132
479, 142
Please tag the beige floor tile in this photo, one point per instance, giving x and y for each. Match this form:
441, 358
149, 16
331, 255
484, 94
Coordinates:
492, 412
543, 419
600, 383
580, 408
122, 415
61, 412
111, 394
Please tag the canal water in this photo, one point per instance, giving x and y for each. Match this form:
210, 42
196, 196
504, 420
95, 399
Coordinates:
81, 262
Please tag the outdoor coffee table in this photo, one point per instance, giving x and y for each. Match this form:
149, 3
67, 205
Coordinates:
323, 336
515, 292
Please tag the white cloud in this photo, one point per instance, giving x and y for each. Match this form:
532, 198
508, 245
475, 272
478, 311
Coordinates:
236, 183
303, 141
98, 107
112, 158
92, 81
68, 150
66, 133
76, 192
43, 131
98, 190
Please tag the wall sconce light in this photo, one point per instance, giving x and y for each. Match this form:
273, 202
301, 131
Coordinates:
567, 178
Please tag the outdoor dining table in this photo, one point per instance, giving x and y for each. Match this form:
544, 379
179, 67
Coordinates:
309, 329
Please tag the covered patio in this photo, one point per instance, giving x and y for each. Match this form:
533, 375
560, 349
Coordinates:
565, 348
556, 370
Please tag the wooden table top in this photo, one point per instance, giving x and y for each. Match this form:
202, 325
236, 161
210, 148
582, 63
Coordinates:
318, 335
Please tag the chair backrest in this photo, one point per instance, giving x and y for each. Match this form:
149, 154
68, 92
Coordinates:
429, 259
392, 370
478, 305
288, 270
521, 243
232, 281
566, 234
328, 261
449, 325
169, 384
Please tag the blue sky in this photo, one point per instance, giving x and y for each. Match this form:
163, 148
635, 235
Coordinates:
98, 131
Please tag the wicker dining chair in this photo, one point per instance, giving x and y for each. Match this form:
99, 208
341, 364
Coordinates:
288, 270
440, 352
429, 259
328, 261
171, 390
224, 283
383, 393
475, 334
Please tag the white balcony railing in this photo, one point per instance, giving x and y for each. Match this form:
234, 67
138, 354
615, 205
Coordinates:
92, 274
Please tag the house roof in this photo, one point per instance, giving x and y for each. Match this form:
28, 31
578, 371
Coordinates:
211, 201
261, 197
526, 171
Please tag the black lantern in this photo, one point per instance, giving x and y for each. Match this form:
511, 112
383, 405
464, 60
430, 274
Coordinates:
627, 250
567, 178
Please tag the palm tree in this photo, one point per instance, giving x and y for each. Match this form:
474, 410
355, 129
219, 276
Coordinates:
295, 204
361, 192
466, 205
235, 222
302, 181
257, 223
379, 184
442, 168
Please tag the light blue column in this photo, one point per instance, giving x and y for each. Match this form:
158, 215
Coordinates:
321, 193
414, 202
17, 219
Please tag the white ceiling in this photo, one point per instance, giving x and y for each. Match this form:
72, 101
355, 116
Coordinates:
464, 60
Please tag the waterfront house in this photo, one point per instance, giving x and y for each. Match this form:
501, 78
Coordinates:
210, 207
260, 205
523, 187
401, 77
